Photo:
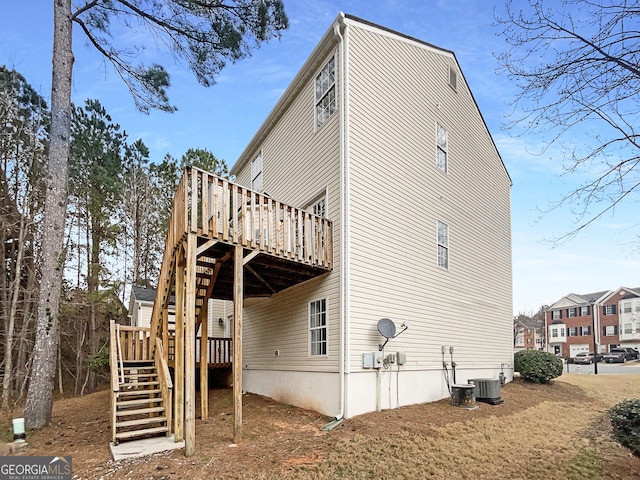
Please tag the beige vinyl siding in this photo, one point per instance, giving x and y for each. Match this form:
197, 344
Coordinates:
218, 309
398, 92
299, 162
143, 315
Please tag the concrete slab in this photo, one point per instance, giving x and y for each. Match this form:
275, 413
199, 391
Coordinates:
141, 448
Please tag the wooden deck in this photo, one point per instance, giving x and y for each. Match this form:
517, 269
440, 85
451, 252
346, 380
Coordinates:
225, 242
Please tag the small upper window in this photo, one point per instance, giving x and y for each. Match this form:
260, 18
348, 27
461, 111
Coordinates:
453, 78
584, 311
325, 92
256, 173
556, 314
610, 310
443, 245
571, 312
442, 147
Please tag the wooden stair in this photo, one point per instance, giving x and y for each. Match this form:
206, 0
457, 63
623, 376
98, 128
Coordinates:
139, 407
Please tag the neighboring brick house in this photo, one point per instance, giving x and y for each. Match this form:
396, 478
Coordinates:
610, 318
527, 335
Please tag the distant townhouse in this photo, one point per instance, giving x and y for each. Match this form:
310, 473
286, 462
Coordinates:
527, 335
608, 319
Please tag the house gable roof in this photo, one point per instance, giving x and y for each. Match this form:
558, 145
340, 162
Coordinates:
577, 300
621, 293
328, 41
143, 294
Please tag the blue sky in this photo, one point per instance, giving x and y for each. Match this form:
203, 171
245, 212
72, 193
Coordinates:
223, 119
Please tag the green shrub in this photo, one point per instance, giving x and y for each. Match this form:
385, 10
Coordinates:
537, 366
625, 420
99, 363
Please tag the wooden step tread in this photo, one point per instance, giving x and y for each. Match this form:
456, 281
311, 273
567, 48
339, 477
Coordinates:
138, 384
139, 411
133, 363
140, 421
140, 375
138, 401
143, 432
133, 392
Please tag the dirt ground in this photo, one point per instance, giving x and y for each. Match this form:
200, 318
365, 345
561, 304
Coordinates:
548, 431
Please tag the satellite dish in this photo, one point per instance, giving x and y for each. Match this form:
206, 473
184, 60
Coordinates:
387, 328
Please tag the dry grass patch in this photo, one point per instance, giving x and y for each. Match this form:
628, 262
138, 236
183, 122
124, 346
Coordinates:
557, 431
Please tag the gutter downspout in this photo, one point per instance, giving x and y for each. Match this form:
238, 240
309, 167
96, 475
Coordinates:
344, 211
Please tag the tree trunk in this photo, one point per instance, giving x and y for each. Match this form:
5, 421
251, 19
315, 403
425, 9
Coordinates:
26, 335
8, 334
37, 411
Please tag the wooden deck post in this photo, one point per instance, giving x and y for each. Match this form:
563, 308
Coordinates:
238, 289
179, 348
204, 361
190, 348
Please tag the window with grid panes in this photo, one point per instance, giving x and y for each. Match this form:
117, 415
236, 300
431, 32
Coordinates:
318, 327
443, 244
442, 148
325, 87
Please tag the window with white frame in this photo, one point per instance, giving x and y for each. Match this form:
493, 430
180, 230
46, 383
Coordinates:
562, 332
556, 314
571, 312
610, 310
319, 205
626, 307
637, 306
585, 331
610, 330
628, 329
554, 332
325, 92
443, 244
584, 311
256, 173
318, 327
573, 331
442, 148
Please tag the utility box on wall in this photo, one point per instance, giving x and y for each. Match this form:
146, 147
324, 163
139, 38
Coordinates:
401, 358
367, 360
372, 360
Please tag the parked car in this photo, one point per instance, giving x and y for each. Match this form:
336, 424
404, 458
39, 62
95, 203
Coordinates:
586, 358
632, 353
618, 355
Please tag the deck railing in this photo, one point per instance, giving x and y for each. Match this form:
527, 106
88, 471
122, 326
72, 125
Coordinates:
219, 351
219, 209
216, 208
134, 343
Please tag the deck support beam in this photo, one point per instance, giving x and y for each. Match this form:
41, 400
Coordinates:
190, 347
204, 361
179, 348
238, 289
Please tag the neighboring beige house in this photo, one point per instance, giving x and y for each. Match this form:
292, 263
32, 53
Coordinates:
220, 314
380, 134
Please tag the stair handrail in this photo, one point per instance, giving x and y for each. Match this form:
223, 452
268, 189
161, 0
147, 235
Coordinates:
164, 376
115, 386
113, 352
121, 369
